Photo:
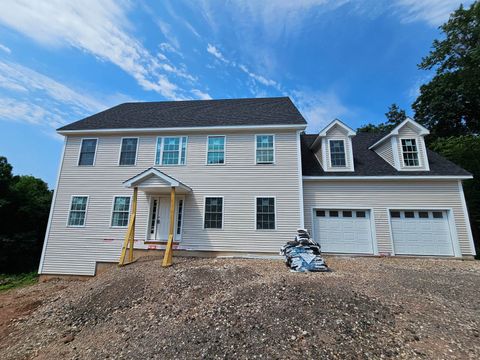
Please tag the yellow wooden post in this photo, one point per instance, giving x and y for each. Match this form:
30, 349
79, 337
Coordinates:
134, 218
167, 258
130, 235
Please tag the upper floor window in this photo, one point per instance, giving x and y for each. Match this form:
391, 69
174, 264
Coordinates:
216, 150
171, 150
121, 210
128, 151
410, 152
337, 153
265, 149
87, 152
78, 211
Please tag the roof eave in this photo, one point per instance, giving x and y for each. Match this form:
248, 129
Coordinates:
182, 129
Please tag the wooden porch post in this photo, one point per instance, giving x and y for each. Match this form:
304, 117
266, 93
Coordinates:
130, 235
167, 258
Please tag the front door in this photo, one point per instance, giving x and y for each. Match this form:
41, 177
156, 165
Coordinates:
160, 218
163, 219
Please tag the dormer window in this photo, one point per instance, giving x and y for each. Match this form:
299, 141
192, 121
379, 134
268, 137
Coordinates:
410, 152
337, 153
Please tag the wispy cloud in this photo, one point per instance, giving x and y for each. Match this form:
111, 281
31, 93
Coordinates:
201, 95
100, 28
5, 49
434, 12
319, 108
29, 96
211, 49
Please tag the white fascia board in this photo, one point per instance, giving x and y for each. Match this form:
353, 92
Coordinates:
422, 131
182, 129
350, 131
389, 177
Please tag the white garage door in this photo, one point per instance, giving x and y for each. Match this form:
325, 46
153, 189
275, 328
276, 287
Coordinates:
344, 231
421, 232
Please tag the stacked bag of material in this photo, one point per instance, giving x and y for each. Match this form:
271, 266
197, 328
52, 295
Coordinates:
303, 254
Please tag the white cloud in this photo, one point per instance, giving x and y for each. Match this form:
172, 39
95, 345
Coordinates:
261, 79
97, 27
434, 12
319, 108
28, 96
201, 95
215, 52
167, 31
6, 49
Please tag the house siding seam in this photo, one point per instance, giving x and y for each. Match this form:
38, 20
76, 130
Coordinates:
381, 195
76, 250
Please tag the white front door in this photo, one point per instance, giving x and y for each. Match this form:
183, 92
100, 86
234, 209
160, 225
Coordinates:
344, 231
421, 232
160, 218
163, 219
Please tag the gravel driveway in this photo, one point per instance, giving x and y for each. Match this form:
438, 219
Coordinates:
224, 308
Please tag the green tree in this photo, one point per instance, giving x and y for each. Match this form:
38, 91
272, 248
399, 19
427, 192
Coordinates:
450, 103
24, 208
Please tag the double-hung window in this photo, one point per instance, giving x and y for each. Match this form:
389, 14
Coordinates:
121, 211
87, 152
337, 153
128, 151
265, 149
213, 213
216, 150
410, 152
171, 150
78, 211
265, 209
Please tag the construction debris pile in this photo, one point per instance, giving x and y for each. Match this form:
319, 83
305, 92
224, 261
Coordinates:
303, 254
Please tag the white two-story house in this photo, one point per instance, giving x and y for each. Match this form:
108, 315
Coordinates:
246, 176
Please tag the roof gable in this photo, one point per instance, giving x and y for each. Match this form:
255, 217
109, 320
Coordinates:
421, 130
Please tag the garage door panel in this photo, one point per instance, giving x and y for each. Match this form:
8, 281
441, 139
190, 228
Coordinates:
421, 235
344, 232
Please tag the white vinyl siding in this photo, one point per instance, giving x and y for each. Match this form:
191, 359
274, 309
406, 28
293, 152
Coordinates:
75, 251
384, 195
385, 150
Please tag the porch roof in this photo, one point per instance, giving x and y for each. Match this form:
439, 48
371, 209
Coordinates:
153, 179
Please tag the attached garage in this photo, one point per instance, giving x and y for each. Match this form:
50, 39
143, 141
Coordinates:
421, 232
345, 231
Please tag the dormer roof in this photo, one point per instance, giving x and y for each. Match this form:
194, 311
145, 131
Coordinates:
336, 122
422, 131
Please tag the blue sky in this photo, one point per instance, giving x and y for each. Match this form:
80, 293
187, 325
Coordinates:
61, 60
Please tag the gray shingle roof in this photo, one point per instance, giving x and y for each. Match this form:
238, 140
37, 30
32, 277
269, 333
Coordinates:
195, 113
369, 163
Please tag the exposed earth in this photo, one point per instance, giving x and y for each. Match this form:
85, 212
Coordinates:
225, 308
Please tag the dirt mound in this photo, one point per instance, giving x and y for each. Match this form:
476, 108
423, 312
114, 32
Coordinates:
215, 309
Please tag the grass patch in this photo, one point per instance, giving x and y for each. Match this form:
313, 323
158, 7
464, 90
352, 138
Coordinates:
17, 280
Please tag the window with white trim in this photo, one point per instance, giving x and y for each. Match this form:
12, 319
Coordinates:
337, 153
213, 213
121, 211
216, 150
128, 151
265, 209
78, 211
265, 149
410, 152
171, 150
87, 152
